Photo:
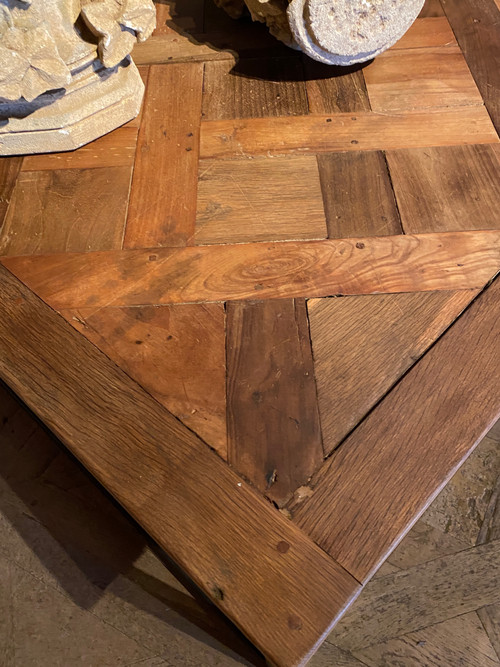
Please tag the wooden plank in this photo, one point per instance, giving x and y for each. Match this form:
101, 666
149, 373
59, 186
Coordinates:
476, 26
177, 353
426, 262
228, 539
432, 8
332, 89
68, 210
420, 79
273, 422
9, 170
254, 88
259, 200
358, 195
490, 618
421, 596
449, 188
430, 31
116, 149
387, 472
163, 199
363, 344
345, 132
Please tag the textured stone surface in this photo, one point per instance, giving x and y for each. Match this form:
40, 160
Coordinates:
66, 77
338, 32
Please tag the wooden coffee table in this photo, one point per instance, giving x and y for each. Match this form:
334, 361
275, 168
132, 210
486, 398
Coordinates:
265, 315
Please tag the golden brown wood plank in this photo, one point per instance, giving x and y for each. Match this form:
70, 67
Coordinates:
363, 344
427, 32
68, 210
333, 89
274, 434
476, 25
116, 149
448, 188
256, 566
432, 8
186, 15
254, 88
345, 132
426, 262
420, 79
163, 198
9, 170
358, 195
390, 468
259, 200
177, 353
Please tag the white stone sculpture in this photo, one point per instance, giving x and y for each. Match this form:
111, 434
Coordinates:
338, 32
66, 76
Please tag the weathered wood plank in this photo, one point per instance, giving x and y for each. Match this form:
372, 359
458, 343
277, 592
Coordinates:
162, 207
333, 89
425, 262
358, 195
450, 188
363, 344
274, 434
386, 473
345, 132
228, 539
9, 170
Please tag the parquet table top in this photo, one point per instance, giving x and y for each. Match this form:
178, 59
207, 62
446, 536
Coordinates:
264, 314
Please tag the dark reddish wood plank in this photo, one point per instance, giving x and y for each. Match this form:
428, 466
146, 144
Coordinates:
162, 207
227, 538
9, 169
358, 195
274, 435
386, 473
476, 26
363, 344
425, 262
432, 8
450, 188
177, 353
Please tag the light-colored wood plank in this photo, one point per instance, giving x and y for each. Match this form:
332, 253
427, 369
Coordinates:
416, 79
66, 210
363, 344
116, 149
227, 538
259, 200
421, 596
177, 353
358, 195
425, 262
274, 434
490, 618
388, 471
345, 132
427, 32
254, 88
448, 188
162, 207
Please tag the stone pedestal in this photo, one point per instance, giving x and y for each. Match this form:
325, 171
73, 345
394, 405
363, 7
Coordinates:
65, 74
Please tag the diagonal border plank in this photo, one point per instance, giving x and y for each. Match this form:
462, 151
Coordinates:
411, 263
271, 580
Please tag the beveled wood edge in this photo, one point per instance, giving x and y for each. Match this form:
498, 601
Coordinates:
324, 268
273, 567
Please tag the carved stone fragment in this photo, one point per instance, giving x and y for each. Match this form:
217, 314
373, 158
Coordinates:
66, 76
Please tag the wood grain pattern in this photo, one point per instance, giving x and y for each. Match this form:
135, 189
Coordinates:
447, 188
177, 353
69, 210
274, 434
254, 88
476, 26
430, 31
358, 195
432, 8
345, 132
163, 199
333, 89
360, 517
420, 79
228, 539
238, 200
426, 262
363, 345
9, 170
116, 149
